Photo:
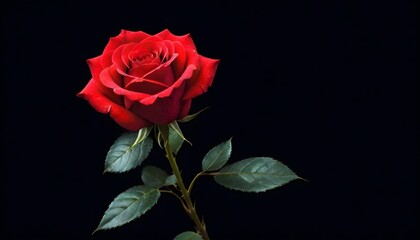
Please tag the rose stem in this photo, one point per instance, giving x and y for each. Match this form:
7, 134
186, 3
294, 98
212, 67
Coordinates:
185, 194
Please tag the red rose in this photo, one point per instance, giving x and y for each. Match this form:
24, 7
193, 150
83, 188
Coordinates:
143, 79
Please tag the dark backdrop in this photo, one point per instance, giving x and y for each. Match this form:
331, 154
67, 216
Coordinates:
327, 88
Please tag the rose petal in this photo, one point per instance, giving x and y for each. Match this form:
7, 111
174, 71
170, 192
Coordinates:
131, 36
112, 79
170, 50
125, 52
163, 54
163, 110
163, 65
127, 103
142, 70
150, 45
147, 69
167, 92
139, 72
185, 40
95, 67
103, 104
185, 109
145, 86
117, 62
106, 59
163, 74
123, 38
180, 62
203, 78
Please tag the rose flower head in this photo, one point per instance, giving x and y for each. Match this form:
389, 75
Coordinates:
142, 79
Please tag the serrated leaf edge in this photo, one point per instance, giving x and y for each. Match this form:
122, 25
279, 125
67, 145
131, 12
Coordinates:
215, 174
128, 149
218, 154
152, 189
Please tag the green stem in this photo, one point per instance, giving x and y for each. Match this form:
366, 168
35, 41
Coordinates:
193, 181
190, 208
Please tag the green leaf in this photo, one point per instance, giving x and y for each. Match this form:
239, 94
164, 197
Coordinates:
128, 152
217, 156
256, 174
153, 176
175, 127
192, 116
188, 236
142, 134
175, 140
128, 206
170, 180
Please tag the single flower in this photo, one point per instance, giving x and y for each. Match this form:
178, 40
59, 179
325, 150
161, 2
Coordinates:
142, 79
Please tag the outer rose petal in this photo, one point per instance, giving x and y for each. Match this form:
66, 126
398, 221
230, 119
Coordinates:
102, 104
199, 84
95, 66
131, 36
185, 109
123, 38
185, 40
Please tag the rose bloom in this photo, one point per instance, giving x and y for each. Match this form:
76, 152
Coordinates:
142, 79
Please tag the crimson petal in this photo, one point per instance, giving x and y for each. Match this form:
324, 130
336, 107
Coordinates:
101, 103
95, 67
124, 37
199, 84
185, 40
163, 110
167, 92
112, 79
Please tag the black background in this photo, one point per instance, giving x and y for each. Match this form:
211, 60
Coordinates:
328, 88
